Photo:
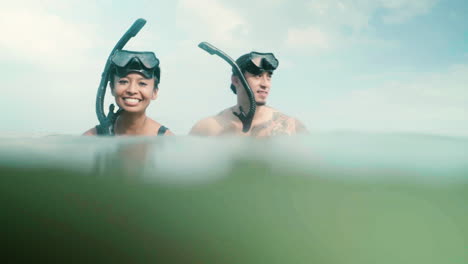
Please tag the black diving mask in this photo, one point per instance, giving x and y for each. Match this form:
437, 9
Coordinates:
144, 62
257, 62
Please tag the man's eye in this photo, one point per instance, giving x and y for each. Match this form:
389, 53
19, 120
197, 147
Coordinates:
123, 81
143, 84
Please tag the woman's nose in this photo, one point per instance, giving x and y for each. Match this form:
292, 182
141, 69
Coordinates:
132, 87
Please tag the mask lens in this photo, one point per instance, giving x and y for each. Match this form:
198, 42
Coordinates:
251, 67
264, 60
148, 60
122, 57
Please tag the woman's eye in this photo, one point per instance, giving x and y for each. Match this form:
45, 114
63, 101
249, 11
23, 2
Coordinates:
143, 84
123, 81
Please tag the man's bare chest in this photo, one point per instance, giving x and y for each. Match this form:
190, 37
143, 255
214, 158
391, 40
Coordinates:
278, 125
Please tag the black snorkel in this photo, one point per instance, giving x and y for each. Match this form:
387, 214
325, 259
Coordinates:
106, 123
246, 119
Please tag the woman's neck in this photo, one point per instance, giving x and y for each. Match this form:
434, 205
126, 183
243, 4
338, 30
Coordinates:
130, 123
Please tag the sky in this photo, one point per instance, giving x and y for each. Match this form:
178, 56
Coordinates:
362, 65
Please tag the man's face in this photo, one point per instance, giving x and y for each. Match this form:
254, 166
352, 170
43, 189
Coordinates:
260, 85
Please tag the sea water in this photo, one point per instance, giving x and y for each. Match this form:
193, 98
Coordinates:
320, 198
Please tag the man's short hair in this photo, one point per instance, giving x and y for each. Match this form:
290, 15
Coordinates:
241, 62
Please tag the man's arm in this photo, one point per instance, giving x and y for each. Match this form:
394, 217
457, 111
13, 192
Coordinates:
279, 125
300, 128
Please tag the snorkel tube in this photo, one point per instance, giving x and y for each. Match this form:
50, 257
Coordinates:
106, 123
246, 119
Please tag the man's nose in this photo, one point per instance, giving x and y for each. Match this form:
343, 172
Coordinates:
265, 81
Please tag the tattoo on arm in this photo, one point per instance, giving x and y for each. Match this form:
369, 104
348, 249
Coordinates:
279, 124
300, 128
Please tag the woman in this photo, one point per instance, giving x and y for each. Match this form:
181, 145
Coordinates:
134, 79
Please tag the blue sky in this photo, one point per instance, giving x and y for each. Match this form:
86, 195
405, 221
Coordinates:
373, 66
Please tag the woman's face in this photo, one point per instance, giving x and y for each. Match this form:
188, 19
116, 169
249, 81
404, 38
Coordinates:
134, 92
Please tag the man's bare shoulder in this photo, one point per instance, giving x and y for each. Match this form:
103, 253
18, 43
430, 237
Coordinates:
90, 132
205, 127
213, 125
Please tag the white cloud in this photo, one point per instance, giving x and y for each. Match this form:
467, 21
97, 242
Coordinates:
349, 20
403, 10
209, 19
312, 38
34, 34
333, 14
429, 102
357, 14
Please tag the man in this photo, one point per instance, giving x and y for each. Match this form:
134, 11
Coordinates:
257, 69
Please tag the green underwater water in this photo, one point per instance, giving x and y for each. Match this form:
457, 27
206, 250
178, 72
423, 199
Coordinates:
325, 198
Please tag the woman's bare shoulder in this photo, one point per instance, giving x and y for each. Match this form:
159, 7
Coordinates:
169, 133
155, 126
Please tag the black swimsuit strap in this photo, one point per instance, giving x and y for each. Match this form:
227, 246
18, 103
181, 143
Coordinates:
162, 130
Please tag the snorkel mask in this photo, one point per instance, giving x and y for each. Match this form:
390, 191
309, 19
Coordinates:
145, 62
256, 63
